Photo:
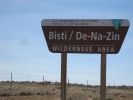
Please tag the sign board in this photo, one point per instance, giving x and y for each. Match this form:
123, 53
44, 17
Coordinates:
84, 35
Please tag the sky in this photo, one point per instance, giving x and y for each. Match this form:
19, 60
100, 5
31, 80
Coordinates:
24, 52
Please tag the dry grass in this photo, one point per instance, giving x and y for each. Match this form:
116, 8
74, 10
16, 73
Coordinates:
35, 91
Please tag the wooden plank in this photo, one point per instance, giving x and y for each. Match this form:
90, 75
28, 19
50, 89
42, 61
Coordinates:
103, 77
63, 75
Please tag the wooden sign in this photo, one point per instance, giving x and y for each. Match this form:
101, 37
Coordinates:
84, 35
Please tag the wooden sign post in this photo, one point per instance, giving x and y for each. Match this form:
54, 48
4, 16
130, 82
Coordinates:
103, 77
63, 75
94, 36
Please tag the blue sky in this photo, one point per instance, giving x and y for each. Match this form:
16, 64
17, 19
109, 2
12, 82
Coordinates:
24, 52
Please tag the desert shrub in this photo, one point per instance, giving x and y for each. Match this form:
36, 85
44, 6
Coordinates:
94, 91
90, 96
77, 96
109, 99
95, 98
117, 94
48, 93
40, 93
58, 87
4, 94
25, 93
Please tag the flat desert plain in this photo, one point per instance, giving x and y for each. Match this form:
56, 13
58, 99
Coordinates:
51, 91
